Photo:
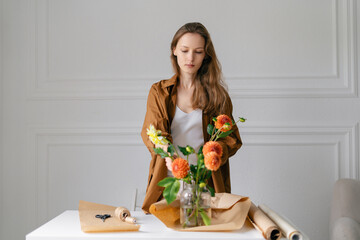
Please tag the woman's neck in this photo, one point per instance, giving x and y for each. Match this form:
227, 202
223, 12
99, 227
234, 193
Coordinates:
186, 80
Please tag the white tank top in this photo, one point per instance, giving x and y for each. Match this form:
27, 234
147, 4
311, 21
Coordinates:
187, 129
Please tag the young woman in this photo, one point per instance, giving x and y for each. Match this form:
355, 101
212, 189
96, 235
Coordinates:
183, 106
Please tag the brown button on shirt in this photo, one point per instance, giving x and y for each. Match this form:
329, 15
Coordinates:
160, 111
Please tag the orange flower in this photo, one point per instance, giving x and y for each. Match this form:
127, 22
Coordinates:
212, 161
220, 123
212, 146
180, 168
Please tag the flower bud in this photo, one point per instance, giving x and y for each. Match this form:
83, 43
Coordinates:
189, 149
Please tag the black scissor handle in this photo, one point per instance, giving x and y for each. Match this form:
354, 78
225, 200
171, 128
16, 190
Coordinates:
103, 217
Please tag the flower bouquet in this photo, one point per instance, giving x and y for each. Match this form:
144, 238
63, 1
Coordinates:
195, 198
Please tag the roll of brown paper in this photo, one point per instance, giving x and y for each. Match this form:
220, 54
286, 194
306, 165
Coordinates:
262, 222
286, 227
124, 215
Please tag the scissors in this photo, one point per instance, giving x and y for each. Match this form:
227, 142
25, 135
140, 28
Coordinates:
103, 217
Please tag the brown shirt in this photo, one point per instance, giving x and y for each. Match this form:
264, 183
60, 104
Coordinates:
161, 105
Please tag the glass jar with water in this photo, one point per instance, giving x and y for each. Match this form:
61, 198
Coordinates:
195, 205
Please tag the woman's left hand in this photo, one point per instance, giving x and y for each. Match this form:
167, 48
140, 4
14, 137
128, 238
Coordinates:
168, 160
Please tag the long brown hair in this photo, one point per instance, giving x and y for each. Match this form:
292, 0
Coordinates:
210, 92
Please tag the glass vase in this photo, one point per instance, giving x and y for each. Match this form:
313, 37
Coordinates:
194, 205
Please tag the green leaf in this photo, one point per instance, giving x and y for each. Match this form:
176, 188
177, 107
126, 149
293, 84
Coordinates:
214, 119
161, 152
205, 217
171, 191
212, 191
225, 134
171, 150
183, 150
200, 149
210, 129
166, 181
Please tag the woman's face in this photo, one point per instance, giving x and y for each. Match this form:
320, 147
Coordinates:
190, 52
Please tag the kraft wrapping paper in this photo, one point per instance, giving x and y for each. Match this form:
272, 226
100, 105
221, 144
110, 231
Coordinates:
263, 223
228, 213
90, 224
287, 229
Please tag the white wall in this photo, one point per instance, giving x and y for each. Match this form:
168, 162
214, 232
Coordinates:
1, 116
76, 76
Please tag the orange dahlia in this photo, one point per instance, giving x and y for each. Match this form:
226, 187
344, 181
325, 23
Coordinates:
212, 146
180, 168
212, 161
220, 123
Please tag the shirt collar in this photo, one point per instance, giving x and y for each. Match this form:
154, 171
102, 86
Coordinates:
171, 81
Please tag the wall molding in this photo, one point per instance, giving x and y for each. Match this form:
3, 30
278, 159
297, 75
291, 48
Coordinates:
343, 139
342, 83
41, 139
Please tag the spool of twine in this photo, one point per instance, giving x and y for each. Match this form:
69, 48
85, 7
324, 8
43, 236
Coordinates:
130, 220
124, 215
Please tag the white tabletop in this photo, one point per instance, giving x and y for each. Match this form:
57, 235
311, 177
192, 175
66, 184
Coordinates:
66, 226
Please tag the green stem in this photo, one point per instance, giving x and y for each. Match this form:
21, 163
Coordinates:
212, 132
197, 176
204, 174
216, 134
175, 149
197, 210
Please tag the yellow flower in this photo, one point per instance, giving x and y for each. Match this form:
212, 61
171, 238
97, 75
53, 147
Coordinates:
155, 136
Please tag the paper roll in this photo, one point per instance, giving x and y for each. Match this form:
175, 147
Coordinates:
263, 223
124, 215
287, 229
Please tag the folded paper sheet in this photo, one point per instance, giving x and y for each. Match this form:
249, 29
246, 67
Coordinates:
287, 229
228, 212
89, 223
264, 224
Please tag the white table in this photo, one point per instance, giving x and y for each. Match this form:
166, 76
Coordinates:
66, 226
